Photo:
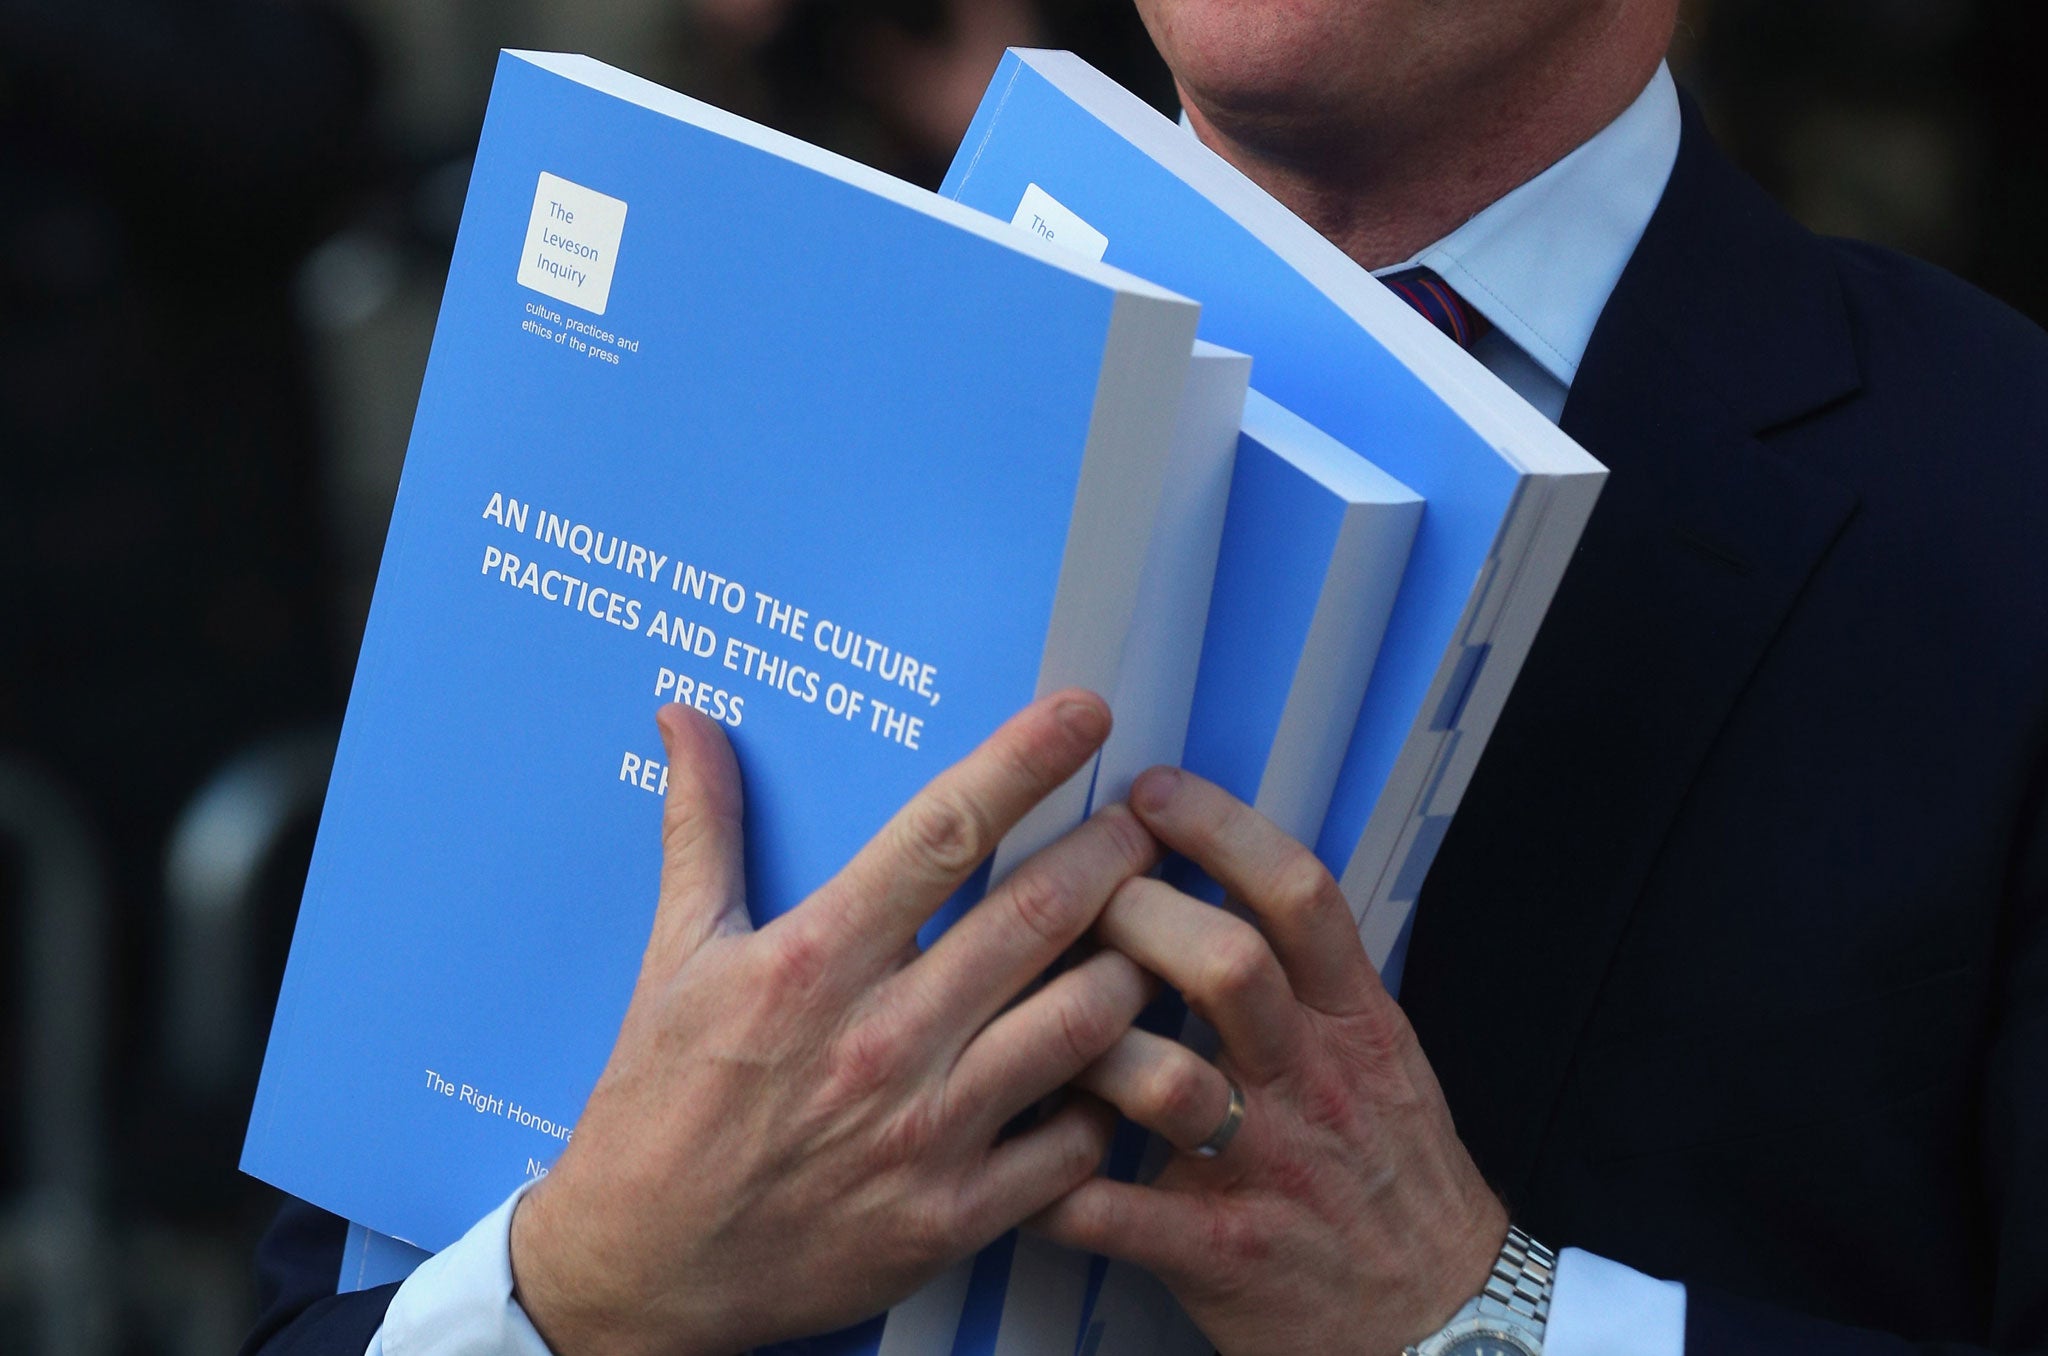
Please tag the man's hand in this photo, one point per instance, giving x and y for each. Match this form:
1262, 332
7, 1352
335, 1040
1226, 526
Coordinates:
1345, 1216
800, 1125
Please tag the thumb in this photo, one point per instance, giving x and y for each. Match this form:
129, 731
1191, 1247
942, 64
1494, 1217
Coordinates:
703, 873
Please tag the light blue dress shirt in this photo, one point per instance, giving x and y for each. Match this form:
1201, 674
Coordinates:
1539, 264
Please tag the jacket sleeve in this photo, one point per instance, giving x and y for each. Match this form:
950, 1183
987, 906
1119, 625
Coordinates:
297, 1266
2012, 1130
1721, 1325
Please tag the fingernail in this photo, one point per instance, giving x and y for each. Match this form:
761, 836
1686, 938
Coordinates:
1155, 787
1083, 720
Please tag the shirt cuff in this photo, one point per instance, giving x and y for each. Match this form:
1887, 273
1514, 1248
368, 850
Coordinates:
1602, 1308
459, 1302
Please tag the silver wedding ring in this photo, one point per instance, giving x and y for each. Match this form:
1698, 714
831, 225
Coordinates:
1220, 1138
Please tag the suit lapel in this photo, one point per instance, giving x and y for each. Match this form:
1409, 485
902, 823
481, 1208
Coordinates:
1728, 322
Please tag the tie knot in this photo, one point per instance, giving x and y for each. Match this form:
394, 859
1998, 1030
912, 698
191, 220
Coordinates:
1440, 306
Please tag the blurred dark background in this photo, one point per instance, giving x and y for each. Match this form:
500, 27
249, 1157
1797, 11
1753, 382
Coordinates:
223, 230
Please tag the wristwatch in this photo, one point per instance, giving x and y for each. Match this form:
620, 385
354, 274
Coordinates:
1507, 1317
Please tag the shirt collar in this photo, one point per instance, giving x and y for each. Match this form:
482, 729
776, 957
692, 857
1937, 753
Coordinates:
1541, 262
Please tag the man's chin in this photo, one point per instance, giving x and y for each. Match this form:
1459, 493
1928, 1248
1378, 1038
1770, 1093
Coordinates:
1288, 77
1299, 129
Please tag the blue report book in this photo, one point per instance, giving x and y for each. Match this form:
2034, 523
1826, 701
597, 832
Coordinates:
1315, 544
1027, 1295
711, 416
1063, 152
1297, 563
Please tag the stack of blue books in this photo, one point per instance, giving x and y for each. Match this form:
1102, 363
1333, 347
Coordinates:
714, 416
1507, 494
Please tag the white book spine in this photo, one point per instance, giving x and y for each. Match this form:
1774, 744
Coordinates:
1156, 688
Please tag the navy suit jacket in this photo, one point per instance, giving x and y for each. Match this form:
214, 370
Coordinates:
1734, 966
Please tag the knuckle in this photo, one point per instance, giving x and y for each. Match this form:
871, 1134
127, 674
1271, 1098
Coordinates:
796, 962
1127, 895
1085, 1028
1239, 965
685, 827
1080, 1158
1291, 1176
862, 1062
935, 1226
1130, 839
909, 1136
1236, 1238
1381, 1044
1096, 1220
1303, 886
945, 834
1040, 900
1175, 1093
1329, 1102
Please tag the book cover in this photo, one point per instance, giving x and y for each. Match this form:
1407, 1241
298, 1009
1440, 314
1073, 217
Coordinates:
1061, 150
710, 416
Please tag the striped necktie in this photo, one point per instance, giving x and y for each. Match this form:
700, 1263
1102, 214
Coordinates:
1440, 306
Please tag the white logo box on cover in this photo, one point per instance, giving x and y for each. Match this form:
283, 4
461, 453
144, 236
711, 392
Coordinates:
572, 243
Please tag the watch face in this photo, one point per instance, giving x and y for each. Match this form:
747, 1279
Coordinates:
1486, 1344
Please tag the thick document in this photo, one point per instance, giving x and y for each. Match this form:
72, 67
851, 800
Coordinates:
1272, 573
1287, 549
1315, 545
711, 416
1062, 151
1156, 686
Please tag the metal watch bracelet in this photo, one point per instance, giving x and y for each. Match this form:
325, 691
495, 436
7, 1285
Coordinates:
1516, 1299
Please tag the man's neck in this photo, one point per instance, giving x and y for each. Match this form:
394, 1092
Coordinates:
1396, 184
